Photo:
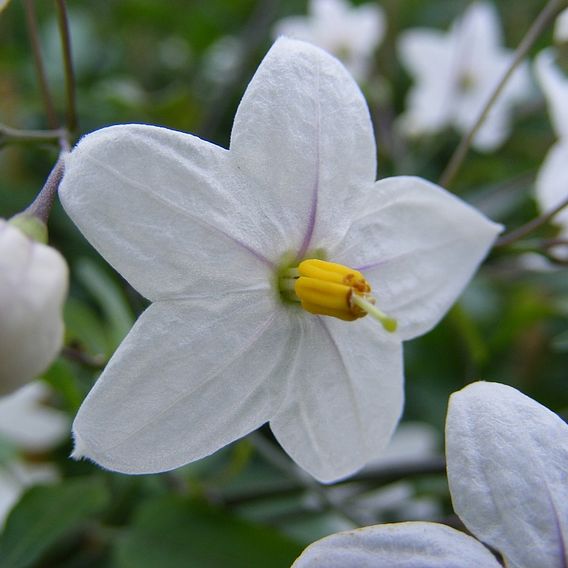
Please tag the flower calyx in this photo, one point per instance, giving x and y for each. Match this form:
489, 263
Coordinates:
332, 289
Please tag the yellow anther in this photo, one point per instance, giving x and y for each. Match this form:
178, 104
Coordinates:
330, 289
326, 288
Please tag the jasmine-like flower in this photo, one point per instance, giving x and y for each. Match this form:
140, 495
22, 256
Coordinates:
455, 73
33, 287
507, 459
351, 33
262, 263
552, 178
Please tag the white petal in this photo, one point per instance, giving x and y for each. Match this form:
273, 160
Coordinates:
400, 545
552, 183
480, 29
188, 379
329, 10
30, 424
561, 27
33, 287
428, 55
425, 53
507, 457
555, 86
344, 395
418, 246
303, 134
169, 211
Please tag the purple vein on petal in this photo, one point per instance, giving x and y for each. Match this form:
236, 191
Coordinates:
370, 266
315, 189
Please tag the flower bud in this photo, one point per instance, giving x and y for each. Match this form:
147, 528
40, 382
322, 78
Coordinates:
33, 287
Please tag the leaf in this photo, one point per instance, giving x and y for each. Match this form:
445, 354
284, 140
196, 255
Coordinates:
170, 532
110, 297
44, 515
83, 326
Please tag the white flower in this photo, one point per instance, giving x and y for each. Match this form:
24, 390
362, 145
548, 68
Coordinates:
455, 73
213, 238
507, 468
552, 178
30, 426
33, 287
351, 33
27, 423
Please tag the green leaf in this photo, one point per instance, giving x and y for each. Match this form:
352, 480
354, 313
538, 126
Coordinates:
83, 327
44, 515
171, 531
110, 297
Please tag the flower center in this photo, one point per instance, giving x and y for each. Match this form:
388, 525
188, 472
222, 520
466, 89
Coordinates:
330, 289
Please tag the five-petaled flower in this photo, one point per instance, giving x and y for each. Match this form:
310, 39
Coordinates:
351, 33
456, 73
507, 462
215, 239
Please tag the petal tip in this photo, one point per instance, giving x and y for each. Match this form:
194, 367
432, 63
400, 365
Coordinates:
79, 448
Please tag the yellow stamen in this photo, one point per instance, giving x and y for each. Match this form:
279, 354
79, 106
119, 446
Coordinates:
331, 289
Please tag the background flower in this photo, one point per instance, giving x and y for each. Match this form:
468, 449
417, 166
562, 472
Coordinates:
552, 178
351, 33
454, 75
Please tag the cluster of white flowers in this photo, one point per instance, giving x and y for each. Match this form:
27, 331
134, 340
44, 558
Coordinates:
454, 73
261, 263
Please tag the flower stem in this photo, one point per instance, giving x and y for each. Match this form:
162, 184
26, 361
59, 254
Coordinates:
278, 459
31, 22
63, 22
369, 478
8, 134
529, 227
42, 204
549, 12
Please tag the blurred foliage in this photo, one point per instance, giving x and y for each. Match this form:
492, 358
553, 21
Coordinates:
185, 65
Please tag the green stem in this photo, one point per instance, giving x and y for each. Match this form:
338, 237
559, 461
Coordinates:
546, 16
529, 227
40, 69
63, 21
8, 134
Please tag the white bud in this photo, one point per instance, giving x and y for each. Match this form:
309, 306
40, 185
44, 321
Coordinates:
33, 287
